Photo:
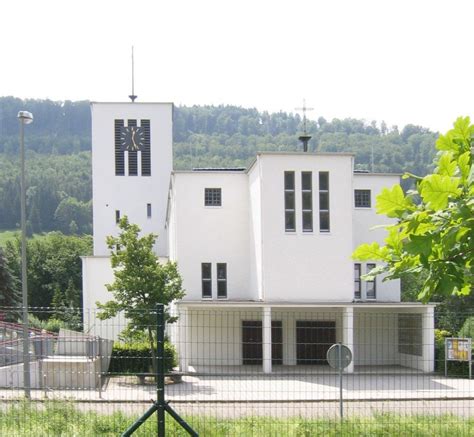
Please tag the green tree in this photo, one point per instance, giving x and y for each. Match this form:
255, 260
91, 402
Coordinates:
54, 269
141, 282
10, 295
434, 233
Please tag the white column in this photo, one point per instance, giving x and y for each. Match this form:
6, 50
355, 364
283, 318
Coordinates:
428, 339
183, 340
348, 334
267, 340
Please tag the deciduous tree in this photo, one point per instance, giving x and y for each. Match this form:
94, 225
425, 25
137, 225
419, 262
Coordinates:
434, 232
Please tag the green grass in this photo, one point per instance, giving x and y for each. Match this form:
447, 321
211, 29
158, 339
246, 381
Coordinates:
62, 419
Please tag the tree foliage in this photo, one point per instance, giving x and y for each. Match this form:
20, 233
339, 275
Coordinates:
434, 233
59, 161
54, 270
10, 295
140, 281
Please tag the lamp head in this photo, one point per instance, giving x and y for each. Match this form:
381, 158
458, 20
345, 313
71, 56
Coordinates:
25, 117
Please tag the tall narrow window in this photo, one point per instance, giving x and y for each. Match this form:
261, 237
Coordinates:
206, 276
117, 216
370, 285
307, 200
222, 280
132, 155
362, 198
119, 152
148, 210
357, 294
290, 201
146, 150
324, 223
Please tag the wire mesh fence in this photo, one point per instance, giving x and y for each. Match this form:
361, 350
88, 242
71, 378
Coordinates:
239, 369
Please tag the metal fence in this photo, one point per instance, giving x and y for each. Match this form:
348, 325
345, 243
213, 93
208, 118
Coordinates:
239, 369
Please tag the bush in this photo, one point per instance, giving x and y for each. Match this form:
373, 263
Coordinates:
136, 358
467, 330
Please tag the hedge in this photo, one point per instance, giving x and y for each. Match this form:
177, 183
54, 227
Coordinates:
136, 358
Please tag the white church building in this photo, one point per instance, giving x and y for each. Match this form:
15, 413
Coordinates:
264, 252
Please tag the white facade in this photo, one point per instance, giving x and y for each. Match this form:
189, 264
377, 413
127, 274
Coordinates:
130, 194
270, 244
247, 232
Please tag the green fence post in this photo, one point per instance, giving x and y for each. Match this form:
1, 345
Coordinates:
160, 368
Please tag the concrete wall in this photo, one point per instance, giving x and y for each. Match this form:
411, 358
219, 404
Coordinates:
214, 235
364, 221
307, 266
130, 194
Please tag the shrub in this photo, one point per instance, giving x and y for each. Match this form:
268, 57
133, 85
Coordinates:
467, 330
136, 358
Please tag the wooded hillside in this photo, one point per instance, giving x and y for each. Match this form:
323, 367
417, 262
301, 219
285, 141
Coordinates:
59, 141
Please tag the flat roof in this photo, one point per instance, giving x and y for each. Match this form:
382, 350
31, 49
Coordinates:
303, 304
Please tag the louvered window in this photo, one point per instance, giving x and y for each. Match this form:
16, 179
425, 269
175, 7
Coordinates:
132, 155
146, 150
119, 153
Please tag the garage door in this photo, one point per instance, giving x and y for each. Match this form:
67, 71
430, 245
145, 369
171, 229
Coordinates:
313, 339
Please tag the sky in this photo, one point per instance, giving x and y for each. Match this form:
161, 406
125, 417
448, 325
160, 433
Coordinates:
398, 61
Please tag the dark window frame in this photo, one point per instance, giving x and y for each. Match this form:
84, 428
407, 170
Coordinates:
221, 281
213, 197
362, 199
290, 206
357, 281
308, 191
370, 286
206, 281
117, 215
148, 210
323, 192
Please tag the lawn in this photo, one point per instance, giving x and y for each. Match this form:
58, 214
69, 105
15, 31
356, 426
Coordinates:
62, 419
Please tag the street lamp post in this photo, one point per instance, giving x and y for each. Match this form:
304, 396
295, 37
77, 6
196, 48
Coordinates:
24, 117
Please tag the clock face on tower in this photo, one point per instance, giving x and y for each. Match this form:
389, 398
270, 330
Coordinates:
132, 138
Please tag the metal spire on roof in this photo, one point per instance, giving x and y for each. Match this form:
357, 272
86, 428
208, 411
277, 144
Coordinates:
305, 137
133, 96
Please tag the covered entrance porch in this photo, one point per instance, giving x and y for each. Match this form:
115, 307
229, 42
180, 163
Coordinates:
221, 337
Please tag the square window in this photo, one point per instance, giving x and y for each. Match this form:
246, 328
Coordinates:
362, 199
212, 197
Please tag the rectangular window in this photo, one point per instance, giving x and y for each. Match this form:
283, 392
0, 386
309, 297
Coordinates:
357, 294
117, 216
148, 210
324, 225
307, 200
410, 334
362, 198
290, 222
119, 153
370, 285
222, 280
132, 155
212, 197
146, 150
206, 276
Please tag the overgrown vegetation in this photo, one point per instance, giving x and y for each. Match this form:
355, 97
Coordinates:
63, 419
